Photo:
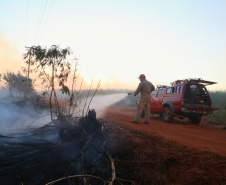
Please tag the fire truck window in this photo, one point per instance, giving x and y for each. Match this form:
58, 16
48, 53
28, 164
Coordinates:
159, 93
173, 89
153, 94
180, 88
170, 90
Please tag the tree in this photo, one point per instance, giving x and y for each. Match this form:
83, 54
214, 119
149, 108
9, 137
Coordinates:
17, 84
53, 60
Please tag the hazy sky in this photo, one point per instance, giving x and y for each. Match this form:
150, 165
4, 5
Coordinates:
116, 40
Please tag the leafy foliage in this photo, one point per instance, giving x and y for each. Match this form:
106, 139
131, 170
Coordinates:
53, 60
18, 83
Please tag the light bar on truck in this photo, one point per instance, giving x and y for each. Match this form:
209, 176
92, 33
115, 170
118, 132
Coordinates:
161, 86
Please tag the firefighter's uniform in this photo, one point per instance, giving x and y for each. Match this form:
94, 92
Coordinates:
144, 88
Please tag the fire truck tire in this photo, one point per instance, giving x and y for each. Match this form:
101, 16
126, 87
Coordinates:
166, 115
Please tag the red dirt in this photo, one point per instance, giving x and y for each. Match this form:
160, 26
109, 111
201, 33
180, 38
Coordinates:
208, 139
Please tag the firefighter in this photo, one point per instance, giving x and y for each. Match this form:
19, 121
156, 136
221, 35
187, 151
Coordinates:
145, 87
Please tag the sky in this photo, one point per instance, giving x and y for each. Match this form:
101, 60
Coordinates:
116, 41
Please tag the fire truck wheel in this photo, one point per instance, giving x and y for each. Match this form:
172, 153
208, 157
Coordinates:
166, 115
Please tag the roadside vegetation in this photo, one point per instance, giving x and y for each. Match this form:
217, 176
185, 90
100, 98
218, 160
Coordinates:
219, 101
18, 85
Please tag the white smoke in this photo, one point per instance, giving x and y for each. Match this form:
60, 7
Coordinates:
100, 103
17, 115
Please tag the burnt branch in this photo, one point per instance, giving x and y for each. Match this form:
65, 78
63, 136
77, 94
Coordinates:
76, 176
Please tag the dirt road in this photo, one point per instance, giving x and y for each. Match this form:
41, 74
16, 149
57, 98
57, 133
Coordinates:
204, 139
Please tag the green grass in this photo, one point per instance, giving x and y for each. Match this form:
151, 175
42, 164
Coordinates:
218, 99
218, 117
